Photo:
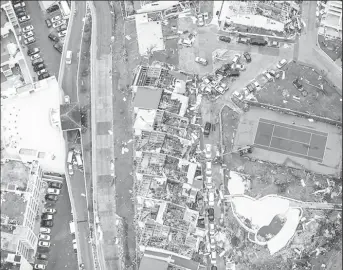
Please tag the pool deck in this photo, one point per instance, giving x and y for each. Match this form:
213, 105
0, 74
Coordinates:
331, 161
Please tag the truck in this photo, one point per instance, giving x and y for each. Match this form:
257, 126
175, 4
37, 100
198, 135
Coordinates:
79, 160
70, 156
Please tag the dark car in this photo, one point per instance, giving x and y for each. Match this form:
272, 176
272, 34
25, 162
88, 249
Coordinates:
51, 197
55, 185
14, 2
21, 14
43, 76
61, 28
207, 128
247, 57
234, 73
53, 37
47, 223
52, 8
41, 256
211, 214
258, 41
298, 85
19, 9
37, 61
58, 47
33, 51
213, 267
48, 23
38, 67
225, 39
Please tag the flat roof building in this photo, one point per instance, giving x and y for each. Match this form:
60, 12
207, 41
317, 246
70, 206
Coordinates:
30, 126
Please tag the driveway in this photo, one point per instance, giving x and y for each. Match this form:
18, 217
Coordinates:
50, 55
61, 254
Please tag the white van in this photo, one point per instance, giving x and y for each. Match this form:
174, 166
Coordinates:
70, 156
69, 57
214, 258
72, 227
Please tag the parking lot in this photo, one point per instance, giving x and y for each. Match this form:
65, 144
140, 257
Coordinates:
48, 53
60, 253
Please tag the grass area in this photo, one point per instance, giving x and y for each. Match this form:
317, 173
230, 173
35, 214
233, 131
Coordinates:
333, 48
315, 102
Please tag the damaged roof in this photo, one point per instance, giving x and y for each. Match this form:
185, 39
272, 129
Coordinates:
147, 98
70, 116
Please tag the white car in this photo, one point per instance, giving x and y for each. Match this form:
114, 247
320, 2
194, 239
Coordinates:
200, 20
22, 4
62, 33
54, 191
201, 61
70, 169
208, 149
257, 85
43, 244
44, 237
214, 258
206, 16
209, 168
40, 266
220, 89
209, 183
49, 210
238, 95
28, 34
24, 18
211, 228
67, 99
212, 242
58, 23
281, 63
211, 199
46, 216
35, 56
28, 28
44, 230
56, 19
239, 67
42, 71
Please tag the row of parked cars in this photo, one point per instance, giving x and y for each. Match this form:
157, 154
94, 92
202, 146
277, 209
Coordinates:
47, 221
60, 26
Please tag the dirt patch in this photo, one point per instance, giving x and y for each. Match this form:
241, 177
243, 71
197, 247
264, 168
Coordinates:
281, 92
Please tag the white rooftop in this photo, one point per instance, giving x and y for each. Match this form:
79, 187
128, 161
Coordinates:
27, 128
145, 120
149, 35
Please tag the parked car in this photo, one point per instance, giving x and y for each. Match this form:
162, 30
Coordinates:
267, 76
43, 244
210, 214
211, 198
43, 76
35, 56
274, 44
54, 191
28, 34
61, 28
236, 58
58, 47
56, 19
209, 184
32, 51
29, 40
201, 61
44, 230
207, 128
238, 67
258, 41
62, 33
208, 168
49, 210
243, 40
247, 57
47, 217
51, 197
67, 99
234, 73
40, 72
53, 37
19, 9
41, 256
281, 63
200, 20
272, 72
298, 85
40, 266
58, 23
39, 67
47, 223
205, 16
238, 95
52, 8
37, 61
14, 2
55, 185
27, 28
45, 237
21, 13
225, 39
48, 23
20, 4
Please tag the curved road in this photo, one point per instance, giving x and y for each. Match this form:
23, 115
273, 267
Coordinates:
68, 81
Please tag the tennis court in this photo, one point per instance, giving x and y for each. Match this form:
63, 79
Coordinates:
290, 140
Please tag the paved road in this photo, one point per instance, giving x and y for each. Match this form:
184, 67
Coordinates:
102, 135
309, 52
61, 255
70, 71
51, 56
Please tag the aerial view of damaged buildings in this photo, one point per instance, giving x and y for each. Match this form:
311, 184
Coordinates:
223, 98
